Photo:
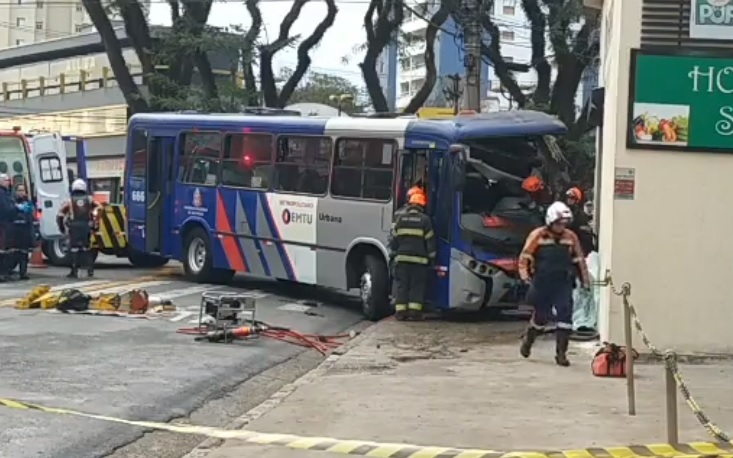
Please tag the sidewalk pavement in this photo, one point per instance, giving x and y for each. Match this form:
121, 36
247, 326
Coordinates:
465, 385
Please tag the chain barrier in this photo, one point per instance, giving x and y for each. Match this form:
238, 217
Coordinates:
669, 357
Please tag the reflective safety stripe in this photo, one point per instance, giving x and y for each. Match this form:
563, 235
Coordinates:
432, 254
429, 235
414, 306
564, 325
400, 307
411, 259
413, 232
577, 260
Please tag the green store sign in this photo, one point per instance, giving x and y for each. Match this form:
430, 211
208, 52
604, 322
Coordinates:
681, 102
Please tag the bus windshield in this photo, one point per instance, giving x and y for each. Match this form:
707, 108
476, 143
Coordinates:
14, 159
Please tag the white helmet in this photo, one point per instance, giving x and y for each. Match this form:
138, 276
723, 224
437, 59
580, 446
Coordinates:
556, 212
79, 185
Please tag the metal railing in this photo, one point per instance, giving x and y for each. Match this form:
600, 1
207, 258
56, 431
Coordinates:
672, 376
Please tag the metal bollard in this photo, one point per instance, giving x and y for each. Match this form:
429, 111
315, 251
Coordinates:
630, 389
671, 395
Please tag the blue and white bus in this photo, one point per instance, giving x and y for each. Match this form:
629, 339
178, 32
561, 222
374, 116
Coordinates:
312, 200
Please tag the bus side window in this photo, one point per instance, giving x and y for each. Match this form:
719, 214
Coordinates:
199, 158
247, 161
302, 164
363, 168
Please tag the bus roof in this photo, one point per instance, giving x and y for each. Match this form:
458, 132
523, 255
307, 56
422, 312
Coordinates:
456, 130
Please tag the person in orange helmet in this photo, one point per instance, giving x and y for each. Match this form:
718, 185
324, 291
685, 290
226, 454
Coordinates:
412, 247
581, 222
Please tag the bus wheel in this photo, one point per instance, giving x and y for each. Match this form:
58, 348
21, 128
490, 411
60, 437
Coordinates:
197, 259
374, 288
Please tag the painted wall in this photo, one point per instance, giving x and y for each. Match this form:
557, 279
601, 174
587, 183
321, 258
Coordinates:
672, 241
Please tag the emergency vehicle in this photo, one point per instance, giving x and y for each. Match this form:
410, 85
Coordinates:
39, 160
312, 200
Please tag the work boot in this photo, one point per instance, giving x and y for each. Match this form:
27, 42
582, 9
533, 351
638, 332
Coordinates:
23, 269
562, 337
74, 273
90, 272
530, 335
400, 315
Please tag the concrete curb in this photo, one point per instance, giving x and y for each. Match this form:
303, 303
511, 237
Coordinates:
206, 447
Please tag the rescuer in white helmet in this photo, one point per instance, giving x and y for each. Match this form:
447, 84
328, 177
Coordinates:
551, 260
77, 217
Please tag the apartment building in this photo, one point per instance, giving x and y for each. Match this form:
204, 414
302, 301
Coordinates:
409, 74
31, 21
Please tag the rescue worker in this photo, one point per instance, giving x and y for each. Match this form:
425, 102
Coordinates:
7, 216
551, 260
412, 246
23, 230
581, 221
78, 216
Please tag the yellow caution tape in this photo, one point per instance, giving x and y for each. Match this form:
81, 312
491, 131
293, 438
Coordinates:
387, 450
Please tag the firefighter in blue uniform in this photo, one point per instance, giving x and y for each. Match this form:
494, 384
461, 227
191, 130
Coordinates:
551, 260
7, 216
23, 231
77, 215
412, 245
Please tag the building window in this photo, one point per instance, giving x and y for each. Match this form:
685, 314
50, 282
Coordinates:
79, 7
19, 42
404, 88
509, 7
39, 4
302, 165
507, 35
39, 25
247, 161
509, 59
50, 169
199, 158
78, 27
363, 169
20, 22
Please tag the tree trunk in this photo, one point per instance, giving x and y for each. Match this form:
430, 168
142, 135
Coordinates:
373, 85
136, 28
135, 100
389, 16
248, 50
431, 72
304, 59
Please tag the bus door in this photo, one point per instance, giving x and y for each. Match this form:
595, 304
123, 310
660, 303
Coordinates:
413, 169
159, 185
48, 168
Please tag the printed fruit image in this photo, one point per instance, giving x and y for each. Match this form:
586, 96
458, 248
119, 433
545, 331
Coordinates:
649, 128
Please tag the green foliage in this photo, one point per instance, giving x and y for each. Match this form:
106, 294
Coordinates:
318, 87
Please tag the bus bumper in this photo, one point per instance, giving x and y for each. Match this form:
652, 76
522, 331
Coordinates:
469, 291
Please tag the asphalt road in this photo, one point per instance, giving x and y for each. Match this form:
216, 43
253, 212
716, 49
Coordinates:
141, 368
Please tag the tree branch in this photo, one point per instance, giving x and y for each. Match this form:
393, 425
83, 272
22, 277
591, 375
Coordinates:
536, 16
268, 51
304, 59
112, 47
389, 17
431, 72
493, 53
136, 28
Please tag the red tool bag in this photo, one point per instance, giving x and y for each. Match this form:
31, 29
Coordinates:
610, 361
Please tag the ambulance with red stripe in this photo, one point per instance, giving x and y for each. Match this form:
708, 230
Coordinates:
312, 200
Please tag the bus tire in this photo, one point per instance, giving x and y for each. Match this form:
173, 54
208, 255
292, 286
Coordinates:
57, 252
198, 263
145, 260
374, 288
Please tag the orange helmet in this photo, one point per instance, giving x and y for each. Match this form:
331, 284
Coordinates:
418, 198
533, 184
413, 190
575, 193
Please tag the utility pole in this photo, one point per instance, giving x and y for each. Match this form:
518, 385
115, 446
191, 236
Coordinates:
473, 36
453, 92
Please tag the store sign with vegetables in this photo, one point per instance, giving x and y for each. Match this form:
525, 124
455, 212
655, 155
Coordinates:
681, 102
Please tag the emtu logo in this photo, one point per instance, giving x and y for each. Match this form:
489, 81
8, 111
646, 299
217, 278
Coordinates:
713, 12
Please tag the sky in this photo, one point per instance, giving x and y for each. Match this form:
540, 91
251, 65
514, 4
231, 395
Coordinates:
339, 41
